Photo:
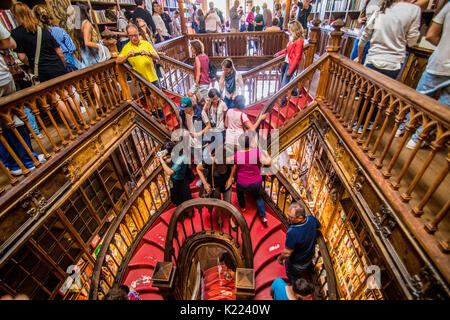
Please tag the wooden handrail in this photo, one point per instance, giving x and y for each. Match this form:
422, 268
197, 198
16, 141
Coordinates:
287, 195
136, 214
433, 108
188, 209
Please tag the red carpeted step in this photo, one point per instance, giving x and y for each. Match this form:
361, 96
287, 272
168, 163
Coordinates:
151, 296
157, 235
269, 273
260, 231
269, 249
140, 280
146, 255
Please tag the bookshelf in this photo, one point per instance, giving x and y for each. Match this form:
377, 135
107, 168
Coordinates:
8, 21
101, 18
348, 10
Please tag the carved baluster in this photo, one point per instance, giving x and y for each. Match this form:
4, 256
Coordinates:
138, 95
381, 108
65, 98
309, 79
5, 170
441, 139
345, 91
431, 226
355, 83
364, 87
410, 129
398, 120
418, 211
95, 80
98, 112
19, 111
392, 107
427, 128
113, 85
103, 79
46, 108
55, 104
373, 106
336, 89
121, 75
351, 92
112, 96
331, 83
84, 104
360, 112
24, 118
77, 106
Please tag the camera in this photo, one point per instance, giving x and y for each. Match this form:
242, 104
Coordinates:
213, 124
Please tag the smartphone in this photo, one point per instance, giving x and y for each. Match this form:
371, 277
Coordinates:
162, 153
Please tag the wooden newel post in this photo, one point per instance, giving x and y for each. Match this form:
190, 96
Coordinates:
334, 42
182, 17
314, 34
287, 14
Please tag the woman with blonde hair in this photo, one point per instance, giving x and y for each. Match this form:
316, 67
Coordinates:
64, 40
293, 52
51, 62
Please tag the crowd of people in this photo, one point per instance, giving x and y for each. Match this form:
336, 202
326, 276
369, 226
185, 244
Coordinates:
256, 19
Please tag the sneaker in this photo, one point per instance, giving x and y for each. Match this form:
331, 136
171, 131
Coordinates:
411, 144
16, 173
264, 220
41, 158
399, 133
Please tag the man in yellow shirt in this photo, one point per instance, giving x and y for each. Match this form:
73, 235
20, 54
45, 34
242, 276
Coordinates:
140, 55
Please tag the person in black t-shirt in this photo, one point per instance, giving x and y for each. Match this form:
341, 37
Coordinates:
141, 12
304, 9
51, 59
168, 22
214, 174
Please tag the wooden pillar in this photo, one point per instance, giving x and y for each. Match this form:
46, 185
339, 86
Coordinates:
287, 15
334, 41
182, 17
314, 36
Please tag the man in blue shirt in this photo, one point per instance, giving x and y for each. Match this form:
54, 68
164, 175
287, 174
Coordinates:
300, 241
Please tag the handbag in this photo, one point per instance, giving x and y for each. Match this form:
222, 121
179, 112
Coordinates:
214, 193
103, 52
15, 70
35, 75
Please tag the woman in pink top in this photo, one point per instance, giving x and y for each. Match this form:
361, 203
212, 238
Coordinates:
250, 20
246, 166
201, 71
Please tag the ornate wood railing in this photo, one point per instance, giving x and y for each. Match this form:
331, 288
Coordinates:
65, 108
414, 181
148, 203
279, 194
182, 226
242, 44
152, 99
176, 48
178, 76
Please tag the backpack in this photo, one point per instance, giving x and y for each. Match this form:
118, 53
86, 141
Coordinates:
212, 71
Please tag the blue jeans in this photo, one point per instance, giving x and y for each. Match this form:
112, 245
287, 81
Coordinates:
391, 74
255, 189
18, 149
354, 53
32, 120
229, 102
429, 84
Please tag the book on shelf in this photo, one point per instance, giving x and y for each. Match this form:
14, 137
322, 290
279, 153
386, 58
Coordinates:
100, 16
126, 2
8, 20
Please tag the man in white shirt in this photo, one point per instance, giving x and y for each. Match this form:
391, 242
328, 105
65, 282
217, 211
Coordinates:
212, 20
437, 74
389, 31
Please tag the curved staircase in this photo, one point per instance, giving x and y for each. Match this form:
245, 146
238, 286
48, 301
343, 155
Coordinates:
267, 241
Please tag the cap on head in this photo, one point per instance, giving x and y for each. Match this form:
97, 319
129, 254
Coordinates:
185, 103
